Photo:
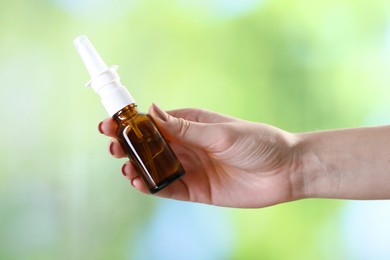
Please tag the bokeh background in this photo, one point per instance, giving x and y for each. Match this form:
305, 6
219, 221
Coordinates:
300, 65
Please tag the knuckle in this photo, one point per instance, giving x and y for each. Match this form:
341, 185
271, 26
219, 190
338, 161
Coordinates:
184, 127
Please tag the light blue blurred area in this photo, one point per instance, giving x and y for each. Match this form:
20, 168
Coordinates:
180, 230
366, 230
299, 65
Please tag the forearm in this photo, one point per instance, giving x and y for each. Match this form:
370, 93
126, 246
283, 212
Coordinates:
346, 164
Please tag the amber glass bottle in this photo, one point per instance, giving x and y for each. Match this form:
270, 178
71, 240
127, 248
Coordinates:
150, 154
152, 157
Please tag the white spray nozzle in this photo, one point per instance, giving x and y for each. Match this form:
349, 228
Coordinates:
104, 80
91, 58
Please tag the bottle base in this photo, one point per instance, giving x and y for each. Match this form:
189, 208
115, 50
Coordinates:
161, 185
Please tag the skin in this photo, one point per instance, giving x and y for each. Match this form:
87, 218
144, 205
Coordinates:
235, 163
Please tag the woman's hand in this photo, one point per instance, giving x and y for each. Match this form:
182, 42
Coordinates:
228, 162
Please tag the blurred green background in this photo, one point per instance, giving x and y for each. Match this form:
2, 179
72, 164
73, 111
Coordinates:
299, 65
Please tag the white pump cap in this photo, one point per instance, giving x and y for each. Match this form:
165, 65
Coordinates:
104, 80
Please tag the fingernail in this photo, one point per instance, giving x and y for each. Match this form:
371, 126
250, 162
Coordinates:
100, 127
132, 182
123, 170
161, 114
111, 148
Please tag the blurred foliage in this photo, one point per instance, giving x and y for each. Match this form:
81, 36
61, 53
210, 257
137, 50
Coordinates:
299, 65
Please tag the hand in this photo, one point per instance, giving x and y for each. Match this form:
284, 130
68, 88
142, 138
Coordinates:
228, 162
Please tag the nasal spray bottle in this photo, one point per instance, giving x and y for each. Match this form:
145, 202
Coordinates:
139, 137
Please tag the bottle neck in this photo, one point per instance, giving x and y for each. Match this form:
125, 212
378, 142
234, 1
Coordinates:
125, 113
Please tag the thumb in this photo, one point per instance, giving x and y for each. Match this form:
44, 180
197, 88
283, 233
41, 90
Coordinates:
202, 135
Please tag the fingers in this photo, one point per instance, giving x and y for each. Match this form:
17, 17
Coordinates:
115, 149
188, 125
108, 127
131, 174
129, 171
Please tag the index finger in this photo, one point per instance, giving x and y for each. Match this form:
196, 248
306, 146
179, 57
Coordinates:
108, 127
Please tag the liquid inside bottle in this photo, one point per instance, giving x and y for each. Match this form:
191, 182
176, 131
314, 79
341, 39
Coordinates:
149, 153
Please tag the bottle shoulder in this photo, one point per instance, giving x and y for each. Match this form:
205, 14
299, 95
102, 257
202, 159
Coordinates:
138, 119
139, 127
128, 118
127, 113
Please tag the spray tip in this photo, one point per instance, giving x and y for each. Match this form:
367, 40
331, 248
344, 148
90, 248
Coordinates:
90, 57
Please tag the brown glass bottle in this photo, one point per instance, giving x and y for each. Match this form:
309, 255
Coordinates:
147, 150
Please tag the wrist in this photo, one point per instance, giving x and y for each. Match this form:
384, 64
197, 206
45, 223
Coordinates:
318, 178
300, 167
